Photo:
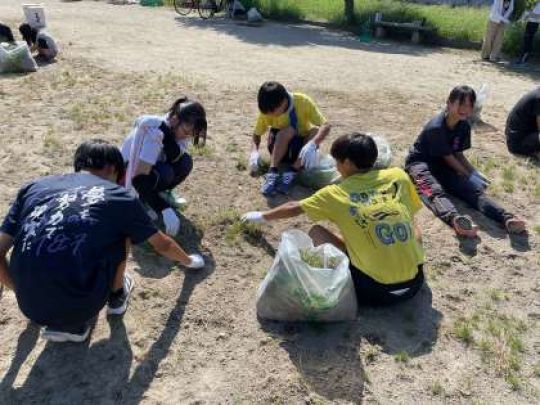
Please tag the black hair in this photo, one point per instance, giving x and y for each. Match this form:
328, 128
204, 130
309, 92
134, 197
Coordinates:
270, 97
96, 154
5, 33
462, 94
28, 33
193, 113
359, 148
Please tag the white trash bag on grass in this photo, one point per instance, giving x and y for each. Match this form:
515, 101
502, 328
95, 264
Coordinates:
16, 58
295, 290
323, 174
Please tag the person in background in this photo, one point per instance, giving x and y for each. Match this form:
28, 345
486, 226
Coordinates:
39, 40
499, 17
532, 19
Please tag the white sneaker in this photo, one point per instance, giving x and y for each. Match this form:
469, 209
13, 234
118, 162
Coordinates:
117, 303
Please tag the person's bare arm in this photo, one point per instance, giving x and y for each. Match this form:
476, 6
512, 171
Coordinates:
322, 133
287, 210
6, 242
455, 164
256, 142
538, 122
167, 247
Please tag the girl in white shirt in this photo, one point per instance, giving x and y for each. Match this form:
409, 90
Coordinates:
156, 153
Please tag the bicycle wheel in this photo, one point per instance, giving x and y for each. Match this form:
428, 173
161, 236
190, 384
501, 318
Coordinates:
184, 7
207, 8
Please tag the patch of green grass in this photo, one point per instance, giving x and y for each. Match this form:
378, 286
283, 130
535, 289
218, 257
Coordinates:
536, 370
514, 381
402, 357
51, 141
463, 330
371, 353
508, 186
437, 388
241, 163
509, 173
236, 228
497, 295
202, 151
231, 148
537, 191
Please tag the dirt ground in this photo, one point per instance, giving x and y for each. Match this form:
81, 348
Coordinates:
470, 336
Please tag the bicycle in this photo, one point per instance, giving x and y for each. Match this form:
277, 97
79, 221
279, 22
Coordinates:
206, 8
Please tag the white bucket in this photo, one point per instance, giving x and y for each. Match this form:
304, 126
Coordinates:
35, 15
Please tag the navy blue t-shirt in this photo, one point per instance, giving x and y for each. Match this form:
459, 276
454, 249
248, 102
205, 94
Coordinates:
437, 140
69, 236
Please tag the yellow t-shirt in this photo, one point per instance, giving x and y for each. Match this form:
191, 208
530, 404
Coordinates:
307, 113
374, 212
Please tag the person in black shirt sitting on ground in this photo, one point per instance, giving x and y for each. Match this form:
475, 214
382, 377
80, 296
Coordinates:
437, 166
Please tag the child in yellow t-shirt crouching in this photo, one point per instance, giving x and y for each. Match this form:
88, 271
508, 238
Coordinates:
296, 128
374, 212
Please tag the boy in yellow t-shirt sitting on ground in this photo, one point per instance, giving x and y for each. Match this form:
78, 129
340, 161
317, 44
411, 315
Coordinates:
374, 211
296, 129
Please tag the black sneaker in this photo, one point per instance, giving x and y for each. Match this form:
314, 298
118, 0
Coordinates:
118, 300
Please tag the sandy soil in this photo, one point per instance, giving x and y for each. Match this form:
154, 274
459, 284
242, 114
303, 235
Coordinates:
193, 337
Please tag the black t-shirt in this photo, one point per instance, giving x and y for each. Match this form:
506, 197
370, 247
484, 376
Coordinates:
69, 236
437, 140
522, 118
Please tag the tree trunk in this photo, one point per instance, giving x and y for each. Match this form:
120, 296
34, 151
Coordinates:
349, 11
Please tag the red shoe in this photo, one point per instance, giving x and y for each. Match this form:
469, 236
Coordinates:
515, 225
463, 226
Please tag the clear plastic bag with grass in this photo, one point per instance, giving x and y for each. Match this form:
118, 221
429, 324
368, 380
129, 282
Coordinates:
307, 283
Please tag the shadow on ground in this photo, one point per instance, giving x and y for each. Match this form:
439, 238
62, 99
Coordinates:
328, 356
100, 372
297, 34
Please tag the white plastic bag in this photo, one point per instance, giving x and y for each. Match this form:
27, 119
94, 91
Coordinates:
481, 96
384, 155
323, 174
253, 15
295, 291
16, 58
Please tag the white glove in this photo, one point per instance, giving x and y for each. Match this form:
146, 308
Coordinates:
253, 216
308, 155
477, 179
254, 161
171, 220
197, 262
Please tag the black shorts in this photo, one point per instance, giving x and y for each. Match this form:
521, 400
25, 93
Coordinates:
372, 293
293, 150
